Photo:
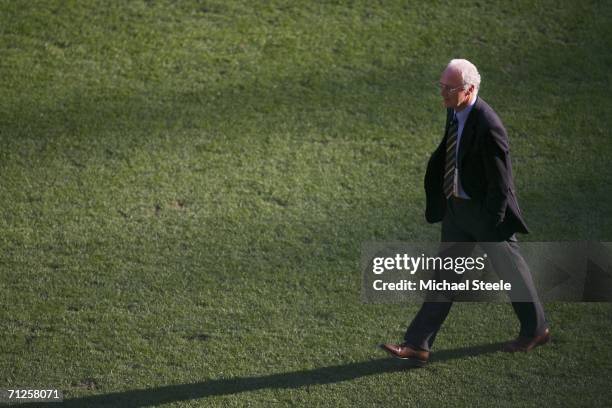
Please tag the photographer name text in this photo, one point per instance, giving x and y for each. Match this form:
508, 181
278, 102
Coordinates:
443, 285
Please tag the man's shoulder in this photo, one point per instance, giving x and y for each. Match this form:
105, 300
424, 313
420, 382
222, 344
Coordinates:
485, 113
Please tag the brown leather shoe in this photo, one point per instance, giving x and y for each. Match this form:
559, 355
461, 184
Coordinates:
527, 343
406, 352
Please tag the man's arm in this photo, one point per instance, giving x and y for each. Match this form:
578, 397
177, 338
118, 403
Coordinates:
496, 156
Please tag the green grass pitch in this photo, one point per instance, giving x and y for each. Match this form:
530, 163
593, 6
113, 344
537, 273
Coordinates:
185, 187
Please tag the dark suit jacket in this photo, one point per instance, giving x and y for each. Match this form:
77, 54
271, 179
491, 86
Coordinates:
484, 169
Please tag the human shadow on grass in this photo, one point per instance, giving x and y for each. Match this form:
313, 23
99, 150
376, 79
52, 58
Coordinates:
295, 379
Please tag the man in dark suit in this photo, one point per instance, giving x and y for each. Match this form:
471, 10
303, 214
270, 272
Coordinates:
470, 188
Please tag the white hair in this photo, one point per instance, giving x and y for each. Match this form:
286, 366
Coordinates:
468, 71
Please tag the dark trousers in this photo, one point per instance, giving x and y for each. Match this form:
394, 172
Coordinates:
467, 221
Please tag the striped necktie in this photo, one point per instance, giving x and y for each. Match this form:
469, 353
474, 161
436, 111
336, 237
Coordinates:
451, 159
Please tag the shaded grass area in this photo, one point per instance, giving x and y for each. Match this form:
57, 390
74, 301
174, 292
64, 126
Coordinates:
186, 188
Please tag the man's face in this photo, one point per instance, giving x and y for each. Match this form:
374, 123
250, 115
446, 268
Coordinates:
452, 91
